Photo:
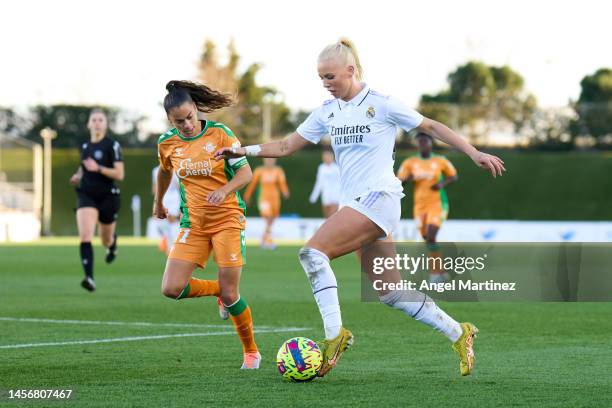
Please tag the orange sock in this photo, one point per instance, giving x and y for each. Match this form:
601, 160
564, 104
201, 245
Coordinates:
240, 313
199, 288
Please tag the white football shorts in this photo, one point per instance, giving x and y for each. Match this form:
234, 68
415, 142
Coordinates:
382, 207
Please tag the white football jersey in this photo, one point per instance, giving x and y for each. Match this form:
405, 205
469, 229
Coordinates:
362, 133
327, 184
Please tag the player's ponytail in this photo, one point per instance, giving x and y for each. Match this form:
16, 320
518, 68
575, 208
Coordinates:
346, 52
205, 99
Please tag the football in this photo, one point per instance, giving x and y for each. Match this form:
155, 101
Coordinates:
299, 359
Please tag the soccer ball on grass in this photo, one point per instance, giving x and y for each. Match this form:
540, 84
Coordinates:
299, 359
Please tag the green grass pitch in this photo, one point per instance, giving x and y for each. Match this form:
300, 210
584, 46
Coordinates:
528, 354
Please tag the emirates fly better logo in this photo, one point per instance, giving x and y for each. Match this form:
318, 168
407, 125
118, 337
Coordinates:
190, 168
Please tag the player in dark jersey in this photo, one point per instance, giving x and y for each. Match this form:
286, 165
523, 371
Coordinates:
98, 196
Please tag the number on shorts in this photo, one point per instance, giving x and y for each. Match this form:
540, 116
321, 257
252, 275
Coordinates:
183, 239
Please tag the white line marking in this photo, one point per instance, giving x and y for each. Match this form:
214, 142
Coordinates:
114, 323
139, 338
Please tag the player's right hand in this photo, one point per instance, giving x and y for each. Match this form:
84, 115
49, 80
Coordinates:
492, 164
229, 153
159, 211
75, 179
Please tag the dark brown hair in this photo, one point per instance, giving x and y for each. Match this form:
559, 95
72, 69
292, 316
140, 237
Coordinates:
421, 134
205, 99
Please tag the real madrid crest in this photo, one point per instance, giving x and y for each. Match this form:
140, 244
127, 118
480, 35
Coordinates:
371, 112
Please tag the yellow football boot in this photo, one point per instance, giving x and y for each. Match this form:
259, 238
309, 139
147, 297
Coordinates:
465, 348
332, 350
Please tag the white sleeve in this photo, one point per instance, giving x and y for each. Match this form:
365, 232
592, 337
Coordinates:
313, 129
401, 115
237, 162
316, 191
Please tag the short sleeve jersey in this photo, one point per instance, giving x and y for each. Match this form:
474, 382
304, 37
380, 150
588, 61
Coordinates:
272, 181
191, 159
105, 152
426, 173
362, 133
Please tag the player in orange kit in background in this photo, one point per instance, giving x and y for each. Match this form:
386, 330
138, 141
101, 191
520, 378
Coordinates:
273, 183
430, 173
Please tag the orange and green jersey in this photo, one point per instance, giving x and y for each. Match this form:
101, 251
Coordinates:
191, 159
426, 173
272, 182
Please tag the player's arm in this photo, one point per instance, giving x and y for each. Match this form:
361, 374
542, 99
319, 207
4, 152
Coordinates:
450, 175
282, 183
406, 179
443, 183
441, 132
404, 173
241, 178
77, 176
117, 172
251, 187
164, 177
318, 187
277, 148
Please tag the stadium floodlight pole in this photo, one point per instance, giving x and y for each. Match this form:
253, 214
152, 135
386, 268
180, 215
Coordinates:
38, 181
267, 118
47, 135
136, 215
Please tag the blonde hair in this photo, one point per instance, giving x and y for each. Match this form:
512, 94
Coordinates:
345, 51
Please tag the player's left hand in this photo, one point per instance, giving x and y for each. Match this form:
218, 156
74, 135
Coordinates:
489, 162
437, 186
216, 197
91, 165
159, 211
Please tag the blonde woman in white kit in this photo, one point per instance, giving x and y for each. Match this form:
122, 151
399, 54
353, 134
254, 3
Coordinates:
362, 125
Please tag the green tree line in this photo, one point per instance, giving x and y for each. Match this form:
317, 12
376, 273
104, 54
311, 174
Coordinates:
537, 186
479, 100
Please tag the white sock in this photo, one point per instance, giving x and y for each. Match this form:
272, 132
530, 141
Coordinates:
422, 308
324, 288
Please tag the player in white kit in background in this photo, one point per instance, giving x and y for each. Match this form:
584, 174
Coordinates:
362, 125
172, 201
327, 185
